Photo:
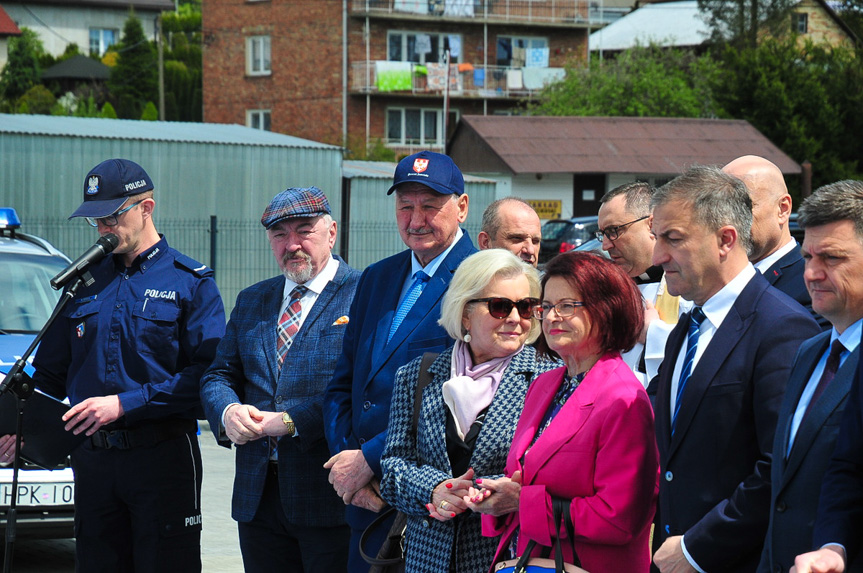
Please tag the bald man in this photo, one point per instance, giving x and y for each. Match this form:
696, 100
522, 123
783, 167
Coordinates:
775, 253
512, 224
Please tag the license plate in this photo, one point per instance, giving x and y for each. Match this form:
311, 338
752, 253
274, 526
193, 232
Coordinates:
37, 494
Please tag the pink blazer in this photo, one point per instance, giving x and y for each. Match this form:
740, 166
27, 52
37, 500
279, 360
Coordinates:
600, 452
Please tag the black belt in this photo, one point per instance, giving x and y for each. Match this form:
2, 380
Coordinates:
142, 436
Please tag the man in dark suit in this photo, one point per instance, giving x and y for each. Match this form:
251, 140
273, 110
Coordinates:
775, 253
722, 379
265, 387
393, 320
840, 507
821, 376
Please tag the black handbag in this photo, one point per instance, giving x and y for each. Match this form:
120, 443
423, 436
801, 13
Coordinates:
391, 557
528, 564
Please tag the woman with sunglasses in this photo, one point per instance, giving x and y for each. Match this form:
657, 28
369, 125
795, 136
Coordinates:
468, 412
586, 433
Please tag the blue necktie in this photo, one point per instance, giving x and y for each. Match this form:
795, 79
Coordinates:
695, 320
420, 279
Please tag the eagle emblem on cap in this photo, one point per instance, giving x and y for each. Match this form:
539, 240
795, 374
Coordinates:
420, 165
93, 185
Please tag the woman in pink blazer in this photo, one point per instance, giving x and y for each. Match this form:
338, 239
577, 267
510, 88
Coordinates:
586, 433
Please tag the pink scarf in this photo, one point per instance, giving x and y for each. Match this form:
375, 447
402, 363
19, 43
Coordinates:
471, 388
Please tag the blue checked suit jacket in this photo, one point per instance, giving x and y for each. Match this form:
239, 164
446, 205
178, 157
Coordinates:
245, 370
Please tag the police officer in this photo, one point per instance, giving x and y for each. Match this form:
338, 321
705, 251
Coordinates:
129, 352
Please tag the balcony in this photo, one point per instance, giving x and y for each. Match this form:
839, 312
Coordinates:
465, 81
549, 12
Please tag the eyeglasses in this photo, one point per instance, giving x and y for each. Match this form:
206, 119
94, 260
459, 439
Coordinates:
110, 220
563, 309
499, 307
613, 233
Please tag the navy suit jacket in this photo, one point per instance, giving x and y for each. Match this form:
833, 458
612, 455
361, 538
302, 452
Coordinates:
246, 371
786, 274
840, 507
715, 470
357, 405
795, 479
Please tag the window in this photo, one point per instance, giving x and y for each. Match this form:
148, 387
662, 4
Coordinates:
258, 119
258, 56
101, 39
512, 51
422, 48
800, 23
414, 126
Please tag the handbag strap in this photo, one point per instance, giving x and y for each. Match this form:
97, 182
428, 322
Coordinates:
561, 508
560, 512
423, 380
374, 525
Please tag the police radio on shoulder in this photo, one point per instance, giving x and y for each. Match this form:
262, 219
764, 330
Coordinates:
106, 243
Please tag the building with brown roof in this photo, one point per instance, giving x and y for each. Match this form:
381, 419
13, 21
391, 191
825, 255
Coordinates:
93, 25
568, 163
8, 29
359, 71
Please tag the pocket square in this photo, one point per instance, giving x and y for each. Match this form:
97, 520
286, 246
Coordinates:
341, 320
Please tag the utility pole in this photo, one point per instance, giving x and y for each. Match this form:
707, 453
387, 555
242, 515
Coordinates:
161, 68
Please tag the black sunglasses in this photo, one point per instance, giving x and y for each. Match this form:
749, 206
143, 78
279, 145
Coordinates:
499, 307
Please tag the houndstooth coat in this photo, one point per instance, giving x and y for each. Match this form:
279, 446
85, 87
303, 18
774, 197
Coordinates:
412, 468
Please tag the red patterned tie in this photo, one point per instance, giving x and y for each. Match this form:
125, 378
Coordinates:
289, 324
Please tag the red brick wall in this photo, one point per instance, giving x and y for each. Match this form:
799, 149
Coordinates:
304, 90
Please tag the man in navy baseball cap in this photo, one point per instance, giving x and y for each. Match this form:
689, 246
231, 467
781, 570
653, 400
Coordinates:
109, 184
394, 319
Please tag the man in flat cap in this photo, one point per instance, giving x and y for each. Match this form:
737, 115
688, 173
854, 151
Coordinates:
264, 391
129, 351
394, 319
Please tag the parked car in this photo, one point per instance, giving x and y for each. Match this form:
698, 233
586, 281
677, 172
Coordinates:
794, 227
27, 264
562, 235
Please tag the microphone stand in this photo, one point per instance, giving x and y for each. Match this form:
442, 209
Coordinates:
20, 383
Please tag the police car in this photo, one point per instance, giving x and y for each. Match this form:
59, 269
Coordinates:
27, 264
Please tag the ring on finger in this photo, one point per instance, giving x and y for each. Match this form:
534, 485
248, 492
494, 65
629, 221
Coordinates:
443, 504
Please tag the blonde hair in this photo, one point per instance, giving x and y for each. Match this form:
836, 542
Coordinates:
473, 276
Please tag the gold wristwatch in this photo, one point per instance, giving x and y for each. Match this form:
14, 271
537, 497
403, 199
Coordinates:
289, 424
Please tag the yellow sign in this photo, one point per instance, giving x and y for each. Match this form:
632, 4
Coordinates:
547, 208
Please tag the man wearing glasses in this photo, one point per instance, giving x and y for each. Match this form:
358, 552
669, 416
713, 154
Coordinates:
624, 229
129, 352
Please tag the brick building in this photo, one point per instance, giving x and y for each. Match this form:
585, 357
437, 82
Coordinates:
357, 72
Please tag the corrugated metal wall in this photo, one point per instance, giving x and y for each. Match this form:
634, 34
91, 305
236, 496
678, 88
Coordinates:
373, 231
42, 178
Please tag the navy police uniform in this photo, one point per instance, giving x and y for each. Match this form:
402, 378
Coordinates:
146, 334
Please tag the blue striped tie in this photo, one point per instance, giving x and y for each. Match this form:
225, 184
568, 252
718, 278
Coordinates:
695, 320
411, 297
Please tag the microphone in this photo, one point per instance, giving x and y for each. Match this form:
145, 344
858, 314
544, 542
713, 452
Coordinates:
91, 256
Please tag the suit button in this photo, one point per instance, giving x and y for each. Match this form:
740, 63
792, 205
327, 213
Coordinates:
780, 506
362, 441
367, 405
279, 399
425, 522
669, 476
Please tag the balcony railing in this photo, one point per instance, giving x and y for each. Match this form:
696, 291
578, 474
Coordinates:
465, 80
520, 11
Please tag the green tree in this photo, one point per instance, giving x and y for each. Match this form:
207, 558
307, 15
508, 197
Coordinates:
183, 62
134, 80
38, 100
807, 100
108, 111
742, 22
22, 70
644, 81
150, 112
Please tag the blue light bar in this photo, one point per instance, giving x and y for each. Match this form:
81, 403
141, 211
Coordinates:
9, 218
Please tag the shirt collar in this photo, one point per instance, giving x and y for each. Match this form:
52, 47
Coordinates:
433, 265
719, 305
146, 259
770, 260
317, 283
850, 339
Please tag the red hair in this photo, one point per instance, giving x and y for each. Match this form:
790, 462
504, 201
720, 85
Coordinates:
610, 297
